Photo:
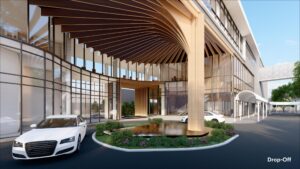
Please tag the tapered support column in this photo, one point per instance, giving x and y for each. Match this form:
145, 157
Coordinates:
248, 106
106, 111
162, 100
241, 107
258, 112
267, 109
196, 75
141, 102
234, 110
263, 110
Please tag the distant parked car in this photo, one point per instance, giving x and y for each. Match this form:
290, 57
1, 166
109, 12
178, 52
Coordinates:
208, 116
54, 136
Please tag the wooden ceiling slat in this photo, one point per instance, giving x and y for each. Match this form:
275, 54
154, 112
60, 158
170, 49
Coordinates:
57, 12
152, 47
103, 38
98, 21
122, 41
108, 31
171, 51
159, 52
149, 54
134, 30
143, 51
166, 54
136, 47
88, 8
169, 60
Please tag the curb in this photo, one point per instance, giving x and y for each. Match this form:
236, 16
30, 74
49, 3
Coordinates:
164, 149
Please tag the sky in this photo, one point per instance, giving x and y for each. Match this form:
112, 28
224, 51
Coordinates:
275, 25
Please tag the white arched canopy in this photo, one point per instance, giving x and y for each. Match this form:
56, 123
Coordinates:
248, 97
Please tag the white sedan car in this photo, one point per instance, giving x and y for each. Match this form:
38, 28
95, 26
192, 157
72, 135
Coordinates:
208, 116
56, 135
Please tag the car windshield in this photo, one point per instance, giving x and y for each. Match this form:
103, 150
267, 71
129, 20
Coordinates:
57, 122
207, 113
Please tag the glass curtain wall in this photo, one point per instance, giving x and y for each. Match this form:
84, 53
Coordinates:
176, 97
243, 78
225, 20
41, 84
154, 100
62, 82
218, 83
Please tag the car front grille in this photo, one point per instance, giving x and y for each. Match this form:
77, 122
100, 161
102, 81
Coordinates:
40, 148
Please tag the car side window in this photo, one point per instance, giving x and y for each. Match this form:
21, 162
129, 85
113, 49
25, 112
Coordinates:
80, 119
207, 114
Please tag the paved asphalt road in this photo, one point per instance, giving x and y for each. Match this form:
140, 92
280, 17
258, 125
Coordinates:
277, 137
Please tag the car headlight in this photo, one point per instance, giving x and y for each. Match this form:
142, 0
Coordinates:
17, 144
67, 140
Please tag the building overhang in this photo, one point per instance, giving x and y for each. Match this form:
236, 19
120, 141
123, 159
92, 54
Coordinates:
249, 97
237, 13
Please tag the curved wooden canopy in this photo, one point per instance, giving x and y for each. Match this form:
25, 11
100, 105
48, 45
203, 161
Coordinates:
135, 30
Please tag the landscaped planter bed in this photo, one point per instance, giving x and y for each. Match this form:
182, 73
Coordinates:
128, 138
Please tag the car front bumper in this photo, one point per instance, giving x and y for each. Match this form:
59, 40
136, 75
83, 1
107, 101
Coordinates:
19, 153
221, 120
183, 120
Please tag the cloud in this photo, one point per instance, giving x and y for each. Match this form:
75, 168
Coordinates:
291, 42
259, 44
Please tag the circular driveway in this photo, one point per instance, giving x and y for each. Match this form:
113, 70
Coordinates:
274, 137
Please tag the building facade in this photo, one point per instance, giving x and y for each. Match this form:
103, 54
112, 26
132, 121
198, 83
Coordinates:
178, 56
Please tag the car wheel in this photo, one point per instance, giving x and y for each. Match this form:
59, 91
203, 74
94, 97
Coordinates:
78, 143
186, 121
215, 120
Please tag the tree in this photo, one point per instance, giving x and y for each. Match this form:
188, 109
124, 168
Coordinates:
290, 91
297, 79
128, 109
95, 107
284, 93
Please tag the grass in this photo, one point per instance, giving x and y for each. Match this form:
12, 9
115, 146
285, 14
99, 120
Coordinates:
105, 139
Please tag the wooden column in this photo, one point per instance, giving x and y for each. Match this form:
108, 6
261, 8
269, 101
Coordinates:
196, 76
141, 102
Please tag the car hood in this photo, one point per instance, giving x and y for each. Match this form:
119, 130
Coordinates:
220, 115
47, 134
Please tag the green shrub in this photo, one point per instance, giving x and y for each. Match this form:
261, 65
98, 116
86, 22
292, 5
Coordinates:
155, 120
213, 124
162, 141
134, 142
217, 135
165, 141
181, 141
110, 126
122, 138
128, 109
100, 129
203, 140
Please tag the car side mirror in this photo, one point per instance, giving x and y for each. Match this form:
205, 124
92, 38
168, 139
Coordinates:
82, 123
33, 126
